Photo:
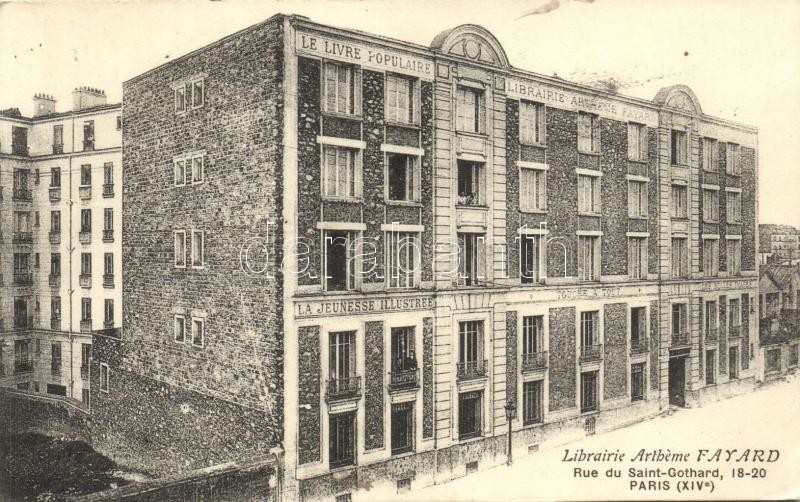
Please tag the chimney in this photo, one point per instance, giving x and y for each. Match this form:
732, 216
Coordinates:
87, 97
43, 104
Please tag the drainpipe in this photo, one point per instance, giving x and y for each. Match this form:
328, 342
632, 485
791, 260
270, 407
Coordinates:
70, 249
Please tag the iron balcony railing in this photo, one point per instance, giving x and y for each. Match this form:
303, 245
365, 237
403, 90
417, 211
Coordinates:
639, 345
470, 370
108, 280
22, 194
84, 372
58, 149
85, 280
23, 322
85, 236
23, 366
55, 237
85, 192
343, 388
534, 360
108, 235
712, 335
54, 280
88, 145
108, 190
404, 379
680, 339
55, 324
22, 237
19, 149
55, 194
55, 370
23, 278
593, 352
86, 325
734, 331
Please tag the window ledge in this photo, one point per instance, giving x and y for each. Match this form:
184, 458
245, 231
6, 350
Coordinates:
537, 145
586, 213
681, 166
533, 211
482, 207
645, 217
342, 115
639, 161
407, 125
350, 200
597, 154
473, 134
405, 203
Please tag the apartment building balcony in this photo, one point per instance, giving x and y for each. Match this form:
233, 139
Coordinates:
85, 192
343, 388
734, 331
55, 237
21, 150
85, 280
23, 322
55, 324
680, 339
534, 361
58, 149
22, 194
54, 280
404, 379
712, 335
23, 366
22, 237
84, 372
88, 145
591, 353
108, 235
85, 236
86, 325
23, 278
639, 345
471, 370
108, 280
108, 190
55, 194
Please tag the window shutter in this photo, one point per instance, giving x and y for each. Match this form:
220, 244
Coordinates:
357, 91
540, 124
596, 195
632, 141
632, 199
480, 98
595, 134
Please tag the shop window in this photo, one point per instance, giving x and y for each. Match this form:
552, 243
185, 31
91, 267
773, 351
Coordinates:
637, 381
532, 402
589, 396
402, 416
470, 415
342, 440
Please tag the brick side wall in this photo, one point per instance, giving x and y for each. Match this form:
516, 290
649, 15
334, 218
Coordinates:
427, 377
511, 356
373, 385
652, 201
749, 223
723, 249
309, 385
562, 358
654, 345
615, 346
614, 164
723, 335
426, 178
512, 187
308, 168
562, 190
374, 204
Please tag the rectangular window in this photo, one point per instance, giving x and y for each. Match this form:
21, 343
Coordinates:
793, 355
88, 135
532, 189
733, 362
179, 329
341, 172
710, 206
108, 173
637, 199
470, 336
179, 168
86, 309
471, 266
470, 110
532, 334
711, 320
532, 402
108, 219
108, 263
19, 140
342, 89
85, 396
589, 395
402, 428
710, 155
342, 357
679, 320
711, 257
86, 175
402, 259
679, 201
471, 183
469, 415
119, 123
339, 260
589, 335
531, 123
198, 93
55, 222
588, 258
58, 136
637, 257
108, 307
86, 220
180, 248
733, 159
638, 325
342, 440
197, 168
734, 256
55, 358
86, 263
679, 148
773, 360
588, 194
198, 331
55, 177
180, 99
711, 367
734, 207
198, 249
104, 377
734, 314
680, 257
402, 177
529, 259
637, 142
637, 381
588, 133
402, 99
55, 308
403, 354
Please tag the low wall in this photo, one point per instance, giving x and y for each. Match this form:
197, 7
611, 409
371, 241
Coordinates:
22, 411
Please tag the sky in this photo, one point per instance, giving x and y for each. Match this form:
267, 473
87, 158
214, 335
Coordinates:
740, 57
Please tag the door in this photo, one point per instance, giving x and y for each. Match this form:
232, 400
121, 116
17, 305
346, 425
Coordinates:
677, 381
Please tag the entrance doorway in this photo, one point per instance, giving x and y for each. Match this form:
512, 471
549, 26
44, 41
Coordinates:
677, 381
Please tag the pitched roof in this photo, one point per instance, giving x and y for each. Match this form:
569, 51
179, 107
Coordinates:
781, 274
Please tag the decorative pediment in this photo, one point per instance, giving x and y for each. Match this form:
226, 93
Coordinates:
471, 42
679, 97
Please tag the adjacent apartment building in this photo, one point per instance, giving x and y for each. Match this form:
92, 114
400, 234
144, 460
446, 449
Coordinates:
60, 245
778, 244
381, 257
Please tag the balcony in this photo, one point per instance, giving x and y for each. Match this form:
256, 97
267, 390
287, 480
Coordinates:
85, 192
20, 149
471, 370
54, 280
55, 194
86, 325
55, 238
534, 361
108, 280
108, 235
712, 335
22, 194
639, 345
88, 145
734, 331
85, 236
55, 324
23, 366
680, 339
58, 149
23, 278
343, 388
85, 280
108, 190
404, 379
84, 372
591, 353
22, 237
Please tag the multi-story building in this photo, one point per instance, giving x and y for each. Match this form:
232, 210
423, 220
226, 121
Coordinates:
779, 321
384, 256
779, 244
60, 245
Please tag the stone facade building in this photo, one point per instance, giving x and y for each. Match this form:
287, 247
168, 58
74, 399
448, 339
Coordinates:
60, 241
375, 254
